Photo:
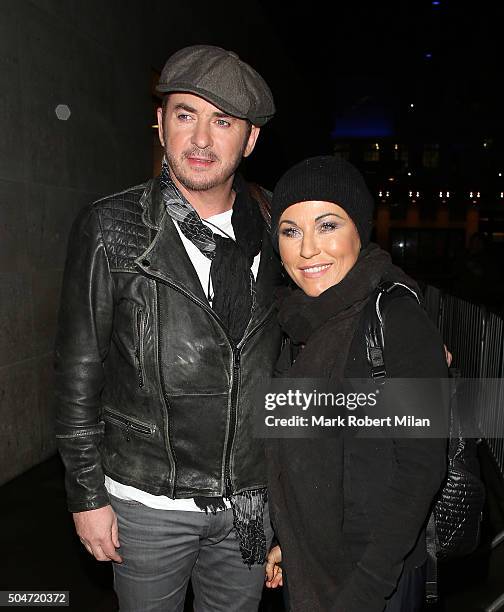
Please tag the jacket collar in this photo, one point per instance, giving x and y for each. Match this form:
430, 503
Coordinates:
166, 257
152, 204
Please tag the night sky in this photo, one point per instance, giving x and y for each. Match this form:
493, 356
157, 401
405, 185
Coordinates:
352, 69
444, 57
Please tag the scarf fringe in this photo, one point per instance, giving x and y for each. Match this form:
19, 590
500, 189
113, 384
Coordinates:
210, 505
248, 515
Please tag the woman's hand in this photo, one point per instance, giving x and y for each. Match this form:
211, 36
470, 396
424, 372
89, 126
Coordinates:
448, 356
274, 577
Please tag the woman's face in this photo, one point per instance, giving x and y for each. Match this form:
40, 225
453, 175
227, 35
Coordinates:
319, 244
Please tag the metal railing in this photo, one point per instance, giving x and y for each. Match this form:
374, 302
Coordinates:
475, 337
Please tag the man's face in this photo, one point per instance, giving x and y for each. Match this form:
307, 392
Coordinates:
203, 145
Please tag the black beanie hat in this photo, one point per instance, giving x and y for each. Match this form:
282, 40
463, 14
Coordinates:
326, 179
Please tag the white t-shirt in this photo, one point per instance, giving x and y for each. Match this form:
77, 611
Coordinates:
220, 223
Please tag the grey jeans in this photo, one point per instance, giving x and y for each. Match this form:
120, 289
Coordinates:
162, 549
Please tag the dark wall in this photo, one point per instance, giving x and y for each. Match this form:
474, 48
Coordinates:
94, 57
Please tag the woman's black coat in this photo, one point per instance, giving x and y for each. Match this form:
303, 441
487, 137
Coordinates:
352, 563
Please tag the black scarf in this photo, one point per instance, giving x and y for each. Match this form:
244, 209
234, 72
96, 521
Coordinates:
305, 319
230, 271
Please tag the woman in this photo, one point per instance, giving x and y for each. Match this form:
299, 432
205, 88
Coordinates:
349, 513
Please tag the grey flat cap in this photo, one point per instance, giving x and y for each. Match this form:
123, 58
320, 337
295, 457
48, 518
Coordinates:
221, 78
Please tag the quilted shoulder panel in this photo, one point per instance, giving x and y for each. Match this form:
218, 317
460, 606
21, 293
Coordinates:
124, 232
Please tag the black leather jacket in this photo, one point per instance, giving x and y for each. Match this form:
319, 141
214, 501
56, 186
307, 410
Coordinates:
150, 389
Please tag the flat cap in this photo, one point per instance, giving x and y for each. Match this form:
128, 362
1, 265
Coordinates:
221, 78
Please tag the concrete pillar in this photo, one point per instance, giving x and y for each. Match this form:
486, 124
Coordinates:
472, 222
383, 225
442, 216
412, 215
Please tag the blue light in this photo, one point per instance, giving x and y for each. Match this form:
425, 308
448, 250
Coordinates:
363, 127
436, 3
368, 116
428, 56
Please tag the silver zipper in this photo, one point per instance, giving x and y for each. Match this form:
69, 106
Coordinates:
139, 349
128, 423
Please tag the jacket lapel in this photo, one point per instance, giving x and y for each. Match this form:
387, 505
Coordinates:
166, 257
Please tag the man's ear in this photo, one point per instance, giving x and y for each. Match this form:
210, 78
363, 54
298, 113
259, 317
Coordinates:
160, 126
252, 139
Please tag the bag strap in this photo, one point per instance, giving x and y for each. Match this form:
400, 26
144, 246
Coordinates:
431, 578
259, 195
374, 314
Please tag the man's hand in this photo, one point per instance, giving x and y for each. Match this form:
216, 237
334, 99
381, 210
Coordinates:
97, 530
274, 577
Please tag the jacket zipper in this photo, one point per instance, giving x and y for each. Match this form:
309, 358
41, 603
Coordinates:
228, 489
163, 390
139, 352
235, 377
128, 424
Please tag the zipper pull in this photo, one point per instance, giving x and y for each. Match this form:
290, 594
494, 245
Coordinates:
139, 370
227, 486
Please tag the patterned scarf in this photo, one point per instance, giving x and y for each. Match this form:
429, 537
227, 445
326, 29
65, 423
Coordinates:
233, 301
230, 271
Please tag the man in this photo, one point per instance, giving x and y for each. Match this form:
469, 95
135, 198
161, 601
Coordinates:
166, 324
